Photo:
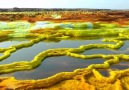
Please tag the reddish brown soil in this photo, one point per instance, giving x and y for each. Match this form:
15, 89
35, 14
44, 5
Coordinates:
120, 17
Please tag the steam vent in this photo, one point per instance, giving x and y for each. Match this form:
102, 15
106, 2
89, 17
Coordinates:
64, 50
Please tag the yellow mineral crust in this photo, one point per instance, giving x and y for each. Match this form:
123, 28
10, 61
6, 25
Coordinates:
87, 78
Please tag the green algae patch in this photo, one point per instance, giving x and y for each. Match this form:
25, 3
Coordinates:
87, 33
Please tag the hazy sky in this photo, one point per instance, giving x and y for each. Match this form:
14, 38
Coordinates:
100, 4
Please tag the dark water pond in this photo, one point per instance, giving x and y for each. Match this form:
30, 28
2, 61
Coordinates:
53, 65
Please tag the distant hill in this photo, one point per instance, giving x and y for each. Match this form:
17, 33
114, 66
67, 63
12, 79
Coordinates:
15, 9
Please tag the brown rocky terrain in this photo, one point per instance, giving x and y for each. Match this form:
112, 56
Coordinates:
111, 16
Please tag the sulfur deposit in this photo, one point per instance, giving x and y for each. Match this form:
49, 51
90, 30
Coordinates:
88, 78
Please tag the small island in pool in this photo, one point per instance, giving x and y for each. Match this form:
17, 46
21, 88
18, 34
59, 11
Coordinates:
64, 49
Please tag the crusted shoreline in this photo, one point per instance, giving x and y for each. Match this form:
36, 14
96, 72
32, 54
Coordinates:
88, 78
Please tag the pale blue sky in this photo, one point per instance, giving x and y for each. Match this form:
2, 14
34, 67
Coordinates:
99, 4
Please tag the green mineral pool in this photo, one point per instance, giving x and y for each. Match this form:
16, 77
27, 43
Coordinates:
56, 64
